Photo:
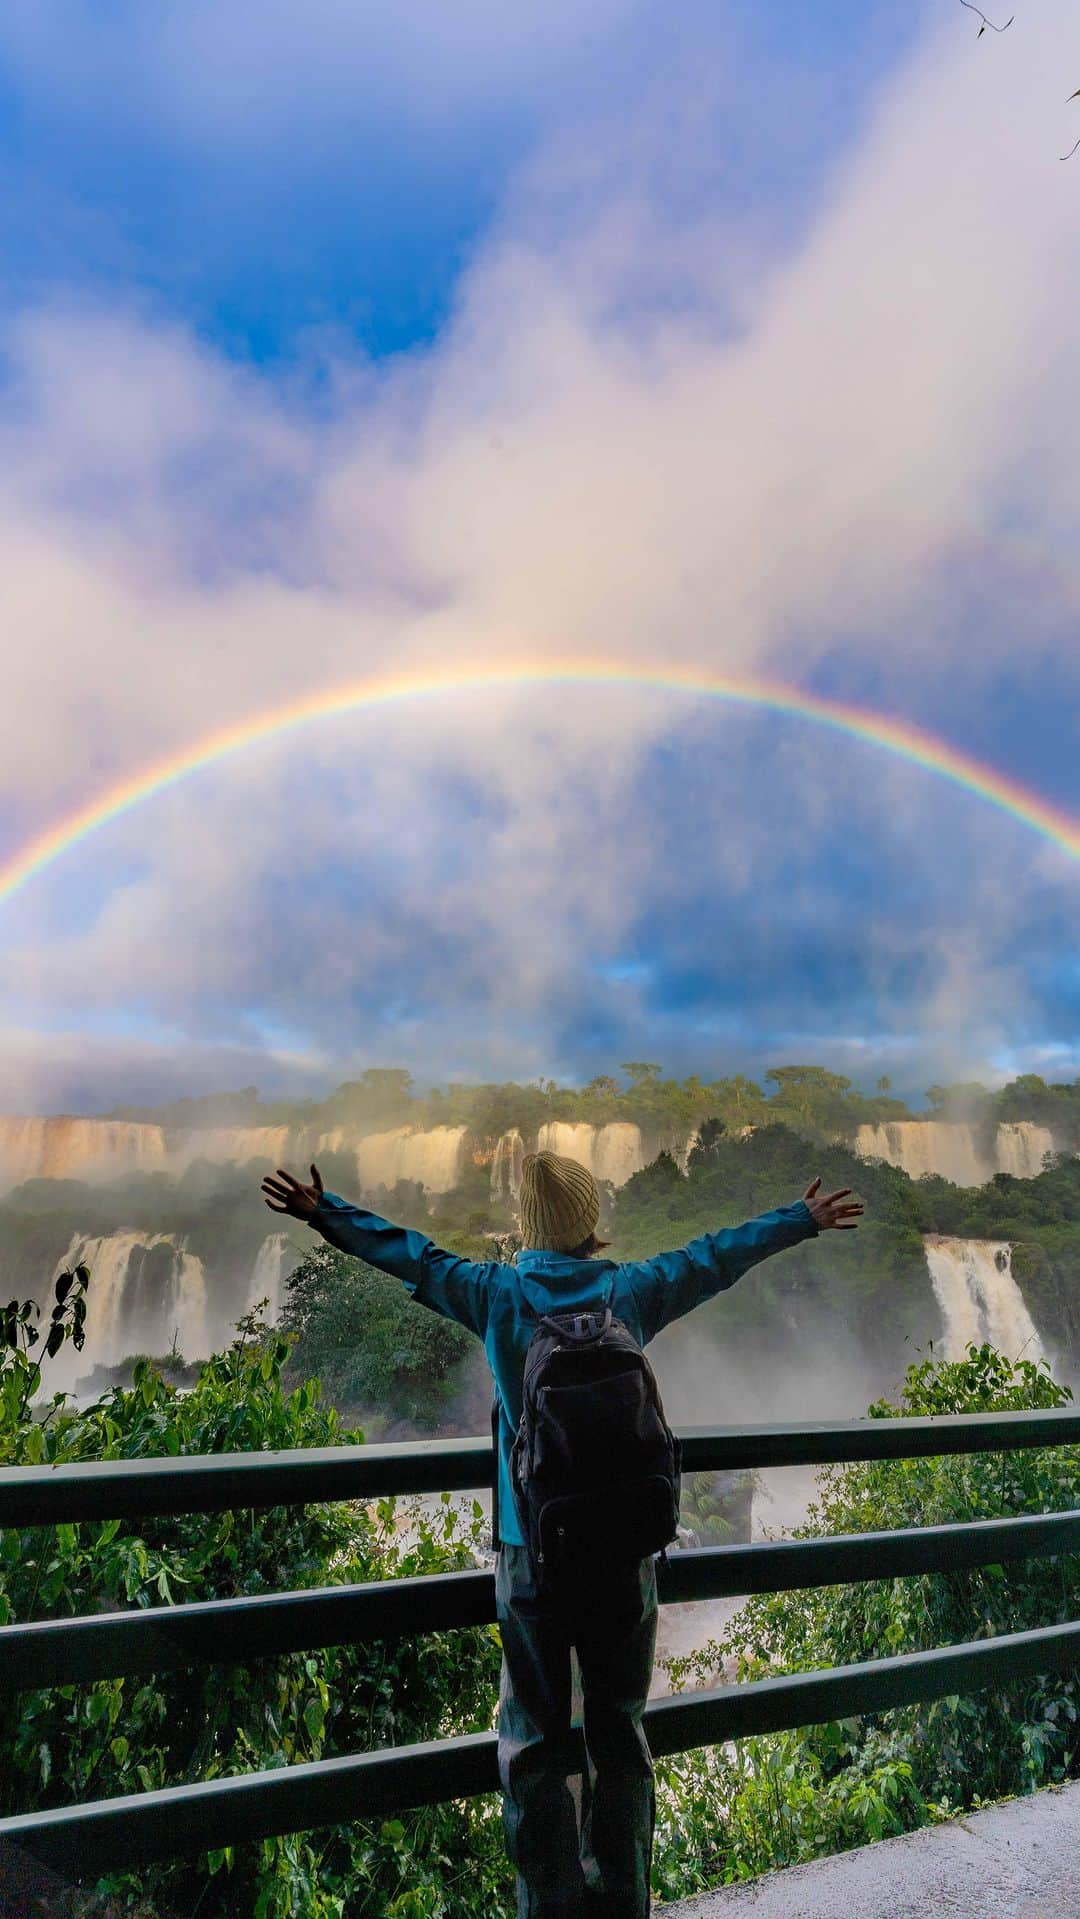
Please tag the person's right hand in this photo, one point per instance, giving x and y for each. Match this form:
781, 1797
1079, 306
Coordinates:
286, 1195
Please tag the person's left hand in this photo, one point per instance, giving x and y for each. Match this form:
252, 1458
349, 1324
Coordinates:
828, 1209
286, 1195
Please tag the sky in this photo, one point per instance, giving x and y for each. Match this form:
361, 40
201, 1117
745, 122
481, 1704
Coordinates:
344, 340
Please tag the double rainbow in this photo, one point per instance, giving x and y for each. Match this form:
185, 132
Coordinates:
908, 742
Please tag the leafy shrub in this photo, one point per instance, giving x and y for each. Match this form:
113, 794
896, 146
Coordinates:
729, 1812
373, 1348
75, 1743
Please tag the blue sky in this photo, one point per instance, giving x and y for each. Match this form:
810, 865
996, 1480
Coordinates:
302, 184
332, 338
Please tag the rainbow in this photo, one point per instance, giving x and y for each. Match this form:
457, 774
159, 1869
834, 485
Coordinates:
894, 736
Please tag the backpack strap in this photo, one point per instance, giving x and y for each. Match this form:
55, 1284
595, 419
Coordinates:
580, 1328
496, 1542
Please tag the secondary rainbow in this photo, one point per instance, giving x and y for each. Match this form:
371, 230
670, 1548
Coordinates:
908, 742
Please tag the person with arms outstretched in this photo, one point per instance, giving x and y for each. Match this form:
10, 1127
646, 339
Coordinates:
600, 1869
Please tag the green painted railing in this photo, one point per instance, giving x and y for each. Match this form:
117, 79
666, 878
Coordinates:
86, 1840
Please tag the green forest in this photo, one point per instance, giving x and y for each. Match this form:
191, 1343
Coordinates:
810, 1099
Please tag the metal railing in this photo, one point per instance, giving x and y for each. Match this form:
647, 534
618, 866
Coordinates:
88, 1839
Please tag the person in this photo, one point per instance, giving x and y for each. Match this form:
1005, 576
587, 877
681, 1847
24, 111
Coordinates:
580, 1839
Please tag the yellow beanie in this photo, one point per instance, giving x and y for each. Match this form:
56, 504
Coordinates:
559, 1203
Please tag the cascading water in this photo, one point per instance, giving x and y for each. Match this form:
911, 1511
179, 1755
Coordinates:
272, 1263
953, 1150
571, 1140
614, 1152
1021, 1148
923, 1146
434, 1158
230, 1146
617, 1154
143, 1290
69, 1148
506, 1165
979, 1298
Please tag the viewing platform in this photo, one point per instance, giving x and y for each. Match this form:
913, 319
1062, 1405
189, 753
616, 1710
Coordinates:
1019, 1860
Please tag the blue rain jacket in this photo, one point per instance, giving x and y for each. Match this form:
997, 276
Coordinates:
502, 1304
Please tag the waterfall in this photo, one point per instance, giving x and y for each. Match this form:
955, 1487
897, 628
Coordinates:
272, 1261
434, 1158
335, 1141
506, 1165
142, 1289
617, 1153
922, 1146
70, 1148
950, 1148
569, 1140
230, 1146
681, 1152
611, 1152
979, 1298
1020, 1148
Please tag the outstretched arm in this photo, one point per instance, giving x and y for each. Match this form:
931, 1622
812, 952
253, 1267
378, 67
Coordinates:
674, 1283
457, 1288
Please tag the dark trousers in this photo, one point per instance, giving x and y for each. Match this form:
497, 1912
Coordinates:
581, 1844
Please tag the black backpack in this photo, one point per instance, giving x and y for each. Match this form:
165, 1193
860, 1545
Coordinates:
595, 1467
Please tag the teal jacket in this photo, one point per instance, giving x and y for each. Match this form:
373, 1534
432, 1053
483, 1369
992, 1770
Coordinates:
502, 1304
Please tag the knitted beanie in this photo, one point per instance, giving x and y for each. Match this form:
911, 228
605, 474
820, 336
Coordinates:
559, 1203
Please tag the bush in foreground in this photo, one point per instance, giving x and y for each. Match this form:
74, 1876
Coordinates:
729, 1813
77, 1743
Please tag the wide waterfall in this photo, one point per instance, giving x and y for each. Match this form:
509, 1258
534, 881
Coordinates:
979, 1298
612, 1152
102, 1150
144, 1290
434, 1158
69, 1148
953, 1149
230, 1146
926, 1146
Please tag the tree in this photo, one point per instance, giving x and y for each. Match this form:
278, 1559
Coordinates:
640, 1072
372, 1346
603, 1086
810, 1095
